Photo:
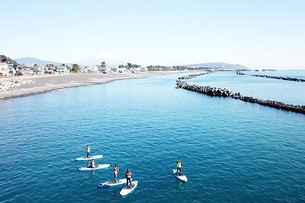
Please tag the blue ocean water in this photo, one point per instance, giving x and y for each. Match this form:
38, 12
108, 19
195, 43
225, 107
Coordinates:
232, 151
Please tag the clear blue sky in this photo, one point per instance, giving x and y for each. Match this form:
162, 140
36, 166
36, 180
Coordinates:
257, 34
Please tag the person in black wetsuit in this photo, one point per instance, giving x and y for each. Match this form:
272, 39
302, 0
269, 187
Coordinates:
128, 178
115, 172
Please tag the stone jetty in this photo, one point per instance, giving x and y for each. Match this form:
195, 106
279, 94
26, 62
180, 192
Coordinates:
14, 83
223, 92
207, 90
280, 78
193, 75
240, 73
274, 77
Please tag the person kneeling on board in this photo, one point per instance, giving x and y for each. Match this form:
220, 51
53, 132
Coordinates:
91, 164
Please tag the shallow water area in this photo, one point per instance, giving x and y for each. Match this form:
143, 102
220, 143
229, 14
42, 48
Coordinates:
232, 151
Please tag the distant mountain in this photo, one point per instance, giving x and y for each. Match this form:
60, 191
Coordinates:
31, 60
219, 65
86, 62
97, 61
113, 63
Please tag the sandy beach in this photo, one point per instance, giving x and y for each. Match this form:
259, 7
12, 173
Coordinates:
46, 83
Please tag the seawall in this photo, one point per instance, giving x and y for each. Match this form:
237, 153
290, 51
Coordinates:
223, 92
274, 77
281, 78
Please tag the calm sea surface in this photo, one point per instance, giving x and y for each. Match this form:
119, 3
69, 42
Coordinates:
232, 151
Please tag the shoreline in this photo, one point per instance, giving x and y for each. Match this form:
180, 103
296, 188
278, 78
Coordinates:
49, 83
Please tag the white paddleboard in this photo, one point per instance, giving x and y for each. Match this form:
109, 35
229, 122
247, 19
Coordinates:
180, 176
112, 183
89, 158
100, 166
126, 191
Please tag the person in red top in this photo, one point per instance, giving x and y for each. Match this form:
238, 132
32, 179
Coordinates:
91, 164
128, 178
115, 173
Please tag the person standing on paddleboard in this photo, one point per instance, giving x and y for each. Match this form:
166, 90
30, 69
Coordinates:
115, 172
179, 166
88, 150
128, 178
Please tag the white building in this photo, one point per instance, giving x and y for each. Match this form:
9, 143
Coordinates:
11, 69
140, 69
38, 70
62, 69
25, 70
121, 70
4, 69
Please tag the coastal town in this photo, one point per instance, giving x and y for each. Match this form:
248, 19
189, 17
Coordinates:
9, 67
22, 79
13, 75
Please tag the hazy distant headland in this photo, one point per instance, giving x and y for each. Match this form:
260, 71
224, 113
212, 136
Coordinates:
113, 63
219, 65
32, 60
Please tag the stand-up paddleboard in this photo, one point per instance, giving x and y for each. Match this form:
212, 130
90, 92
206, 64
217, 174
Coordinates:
89, 158
180, 176
112, 183
126, 191
100, 166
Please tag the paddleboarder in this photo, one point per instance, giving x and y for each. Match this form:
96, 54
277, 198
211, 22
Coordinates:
128, 178
88, 150
179, 166
115, 172
91, 164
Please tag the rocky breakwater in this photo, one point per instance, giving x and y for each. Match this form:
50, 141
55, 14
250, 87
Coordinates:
14, 83
207, 90
240, 73
193, 75
281, 78
274, 104
223, 92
